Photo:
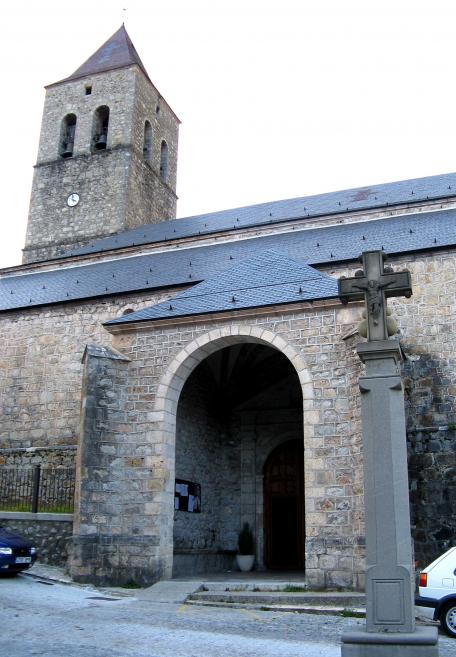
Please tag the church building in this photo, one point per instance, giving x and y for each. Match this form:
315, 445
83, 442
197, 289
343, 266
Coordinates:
201, 372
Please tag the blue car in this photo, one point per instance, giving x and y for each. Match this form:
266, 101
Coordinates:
16, 553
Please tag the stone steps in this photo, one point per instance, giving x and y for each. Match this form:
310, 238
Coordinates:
306, 600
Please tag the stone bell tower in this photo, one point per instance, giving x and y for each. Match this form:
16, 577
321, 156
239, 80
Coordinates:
107, 157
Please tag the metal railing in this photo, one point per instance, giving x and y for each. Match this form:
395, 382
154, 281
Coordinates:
37, 489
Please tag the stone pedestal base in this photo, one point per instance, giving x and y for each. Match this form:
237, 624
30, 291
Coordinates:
421, 643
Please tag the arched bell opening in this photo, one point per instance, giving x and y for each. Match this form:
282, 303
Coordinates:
164, 161
67, 135
147, 143
100, 128
237, 405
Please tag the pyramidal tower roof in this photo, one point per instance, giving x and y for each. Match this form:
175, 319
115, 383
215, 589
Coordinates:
117, 52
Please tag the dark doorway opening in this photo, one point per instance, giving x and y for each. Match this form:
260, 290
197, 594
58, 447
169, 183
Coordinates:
284, 507
237, 405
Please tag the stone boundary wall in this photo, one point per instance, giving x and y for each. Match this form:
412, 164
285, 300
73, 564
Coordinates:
50, 532
52, 456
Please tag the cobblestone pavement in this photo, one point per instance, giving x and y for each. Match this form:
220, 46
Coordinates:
57, 620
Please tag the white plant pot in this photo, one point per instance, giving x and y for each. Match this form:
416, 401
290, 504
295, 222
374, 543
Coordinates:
245, 562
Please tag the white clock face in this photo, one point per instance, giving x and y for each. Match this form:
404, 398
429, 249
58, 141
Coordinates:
73, 199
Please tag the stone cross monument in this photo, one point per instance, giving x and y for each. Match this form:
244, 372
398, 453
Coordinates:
390, 615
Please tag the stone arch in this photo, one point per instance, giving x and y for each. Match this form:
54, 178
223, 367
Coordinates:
195, 352
164, 412
269, 446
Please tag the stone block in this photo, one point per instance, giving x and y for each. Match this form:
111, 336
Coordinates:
421, 643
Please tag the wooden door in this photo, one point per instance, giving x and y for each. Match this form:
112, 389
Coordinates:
284, 507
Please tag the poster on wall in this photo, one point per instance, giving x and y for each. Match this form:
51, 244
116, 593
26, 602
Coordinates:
187, 496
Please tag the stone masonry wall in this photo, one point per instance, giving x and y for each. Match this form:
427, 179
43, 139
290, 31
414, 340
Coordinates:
151, 198
112, 542
149, 105
113, 88
40, 389
41, 369
312, 333
432, 472
332, 436
427, 325
60, 456
428, 329
207, 454
101, 181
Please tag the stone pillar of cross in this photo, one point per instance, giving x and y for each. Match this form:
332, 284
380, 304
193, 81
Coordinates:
390, 616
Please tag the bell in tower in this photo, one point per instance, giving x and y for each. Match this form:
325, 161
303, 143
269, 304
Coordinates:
101, 124
67, 135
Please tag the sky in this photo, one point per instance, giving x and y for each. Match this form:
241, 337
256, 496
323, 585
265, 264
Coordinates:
277, 98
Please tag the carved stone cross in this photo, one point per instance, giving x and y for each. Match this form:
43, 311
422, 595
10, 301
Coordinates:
375, 284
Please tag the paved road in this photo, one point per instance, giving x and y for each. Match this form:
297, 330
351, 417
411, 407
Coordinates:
41, 620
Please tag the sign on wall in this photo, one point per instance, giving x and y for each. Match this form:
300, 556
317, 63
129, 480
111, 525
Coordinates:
187, 496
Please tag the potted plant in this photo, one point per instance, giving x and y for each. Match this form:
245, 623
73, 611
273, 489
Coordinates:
246, 545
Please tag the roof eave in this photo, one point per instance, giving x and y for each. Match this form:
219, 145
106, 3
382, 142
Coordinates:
221, 314
267, 222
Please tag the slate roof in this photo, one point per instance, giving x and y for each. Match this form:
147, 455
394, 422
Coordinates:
184, 266
349, 200
264, 280
117, 52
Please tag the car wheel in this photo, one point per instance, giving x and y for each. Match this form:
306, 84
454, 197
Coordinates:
447, 619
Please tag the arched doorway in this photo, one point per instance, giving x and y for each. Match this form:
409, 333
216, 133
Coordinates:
237, 404
284, 525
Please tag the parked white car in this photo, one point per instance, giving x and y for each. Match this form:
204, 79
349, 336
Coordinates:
437, 591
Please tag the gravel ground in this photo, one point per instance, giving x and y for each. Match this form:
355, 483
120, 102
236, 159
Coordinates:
59, 620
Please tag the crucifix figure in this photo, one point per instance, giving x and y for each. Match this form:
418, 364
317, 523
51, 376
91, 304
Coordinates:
375, 283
